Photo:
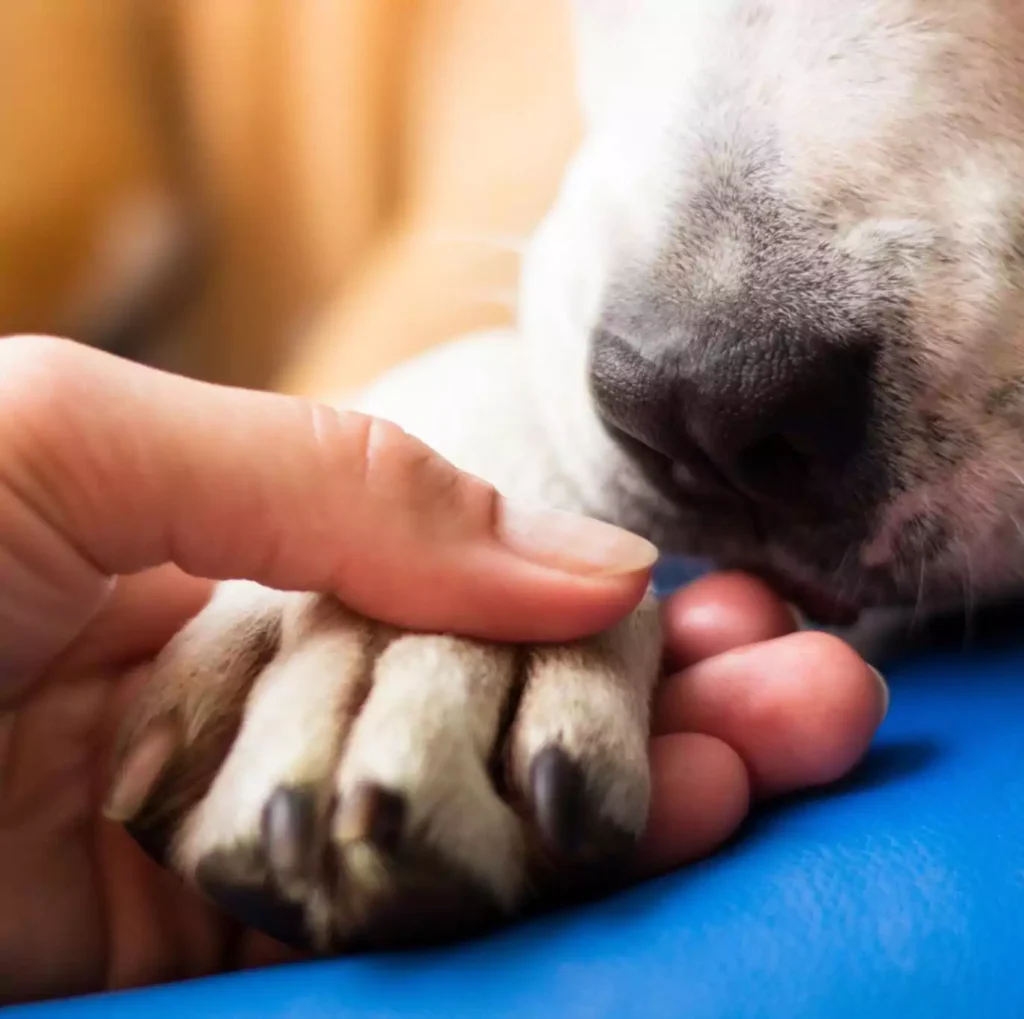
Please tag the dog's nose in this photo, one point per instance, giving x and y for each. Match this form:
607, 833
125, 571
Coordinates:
770, 418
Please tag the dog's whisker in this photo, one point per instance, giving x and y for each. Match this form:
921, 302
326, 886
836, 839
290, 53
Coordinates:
968, 589
837, 575
918, 614
919, 602
855, 592
851, 592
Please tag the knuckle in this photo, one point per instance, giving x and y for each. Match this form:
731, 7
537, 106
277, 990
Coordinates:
391, 465
367, 448
41, 385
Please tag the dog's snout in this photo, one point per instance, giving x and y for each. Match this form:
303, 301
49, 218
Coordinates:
770, 418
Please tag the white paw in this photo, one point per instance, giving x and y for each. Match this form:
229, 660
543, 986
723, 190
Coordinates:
344, 785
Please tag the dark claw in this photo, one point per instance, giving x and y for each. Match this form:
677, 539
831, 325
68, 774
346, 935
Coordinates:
558, 792
256, 905
153, 840
288, 832
372, 814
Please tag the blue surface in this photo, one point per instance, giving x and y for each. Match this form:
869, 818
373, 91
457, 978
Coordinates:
673, 572
899, 894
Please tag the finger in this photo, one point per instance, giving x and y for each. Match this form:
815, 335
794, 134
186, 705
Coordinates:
700, 794
141, 615
720, 612
107, 467
800, 710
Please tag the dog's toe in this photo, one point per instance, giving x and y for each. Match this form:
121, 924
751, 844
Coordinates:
577, 750
345, 787
238, 882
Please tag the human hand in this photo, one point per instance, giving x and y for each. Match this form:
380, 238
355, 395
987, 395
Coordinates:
108, 470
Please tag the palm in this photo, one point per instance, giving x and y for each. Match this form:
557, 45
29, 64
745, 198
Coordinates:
84, 908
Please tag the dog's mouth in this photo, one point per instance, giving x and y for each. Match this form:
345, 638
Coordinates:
818, 553
734, 533
818, 603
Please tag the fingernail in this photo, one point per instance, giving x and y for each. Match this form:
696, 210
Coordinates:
880, 679
572, 543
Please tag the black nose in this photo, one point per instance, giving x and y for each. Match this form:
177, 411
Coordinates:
772, 418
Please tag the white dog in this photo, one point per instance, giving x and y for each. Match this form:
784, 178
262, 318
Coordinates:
776, 316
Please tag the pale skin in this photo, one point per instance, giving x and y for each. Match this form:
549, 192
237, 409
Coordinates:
109, 470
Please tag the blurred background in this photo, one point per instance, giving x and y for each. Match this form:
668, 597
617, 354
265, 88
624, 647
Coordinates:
276, 193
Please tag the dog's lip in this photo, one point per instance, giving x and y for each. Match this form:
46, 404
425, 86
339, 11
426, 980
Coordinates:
817, 602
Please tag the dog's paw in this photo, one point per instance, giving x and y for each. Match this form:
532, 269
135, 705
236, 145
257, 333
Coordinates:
341, 785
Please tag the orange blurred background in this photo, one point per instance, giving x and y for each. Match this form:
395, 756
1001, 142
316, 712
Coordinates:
285, 193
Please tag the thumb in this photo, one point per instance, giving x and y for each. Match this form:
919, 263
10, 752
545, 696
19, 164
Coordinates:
108, 468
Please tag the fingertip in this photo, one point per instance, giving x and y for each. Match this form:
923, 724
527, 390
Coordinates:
529, 601
492, 596
574, 612
700, 794
801, 709
835, 701
720, 612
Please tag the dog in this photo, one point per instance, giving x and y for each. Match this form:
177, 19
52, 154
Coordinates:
774, 318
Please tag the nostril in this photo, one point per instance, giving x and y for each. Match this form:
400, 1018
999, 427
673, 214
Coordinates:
772, 464
781, 420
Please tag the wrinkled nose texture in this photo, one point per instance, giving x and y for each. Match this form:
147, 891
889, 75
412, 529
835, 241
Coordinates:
771, 418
